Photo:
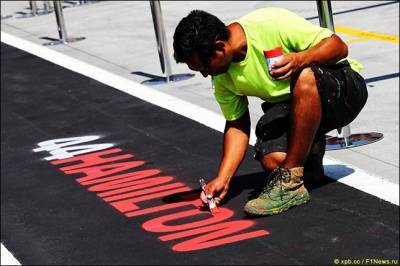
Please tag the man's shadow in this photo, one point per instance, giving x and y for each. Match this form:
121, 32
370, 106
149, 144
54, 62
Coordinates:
238, 185
255, 182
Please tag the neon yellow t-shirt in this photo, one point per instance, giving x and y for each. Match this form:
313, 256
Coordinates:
265, 29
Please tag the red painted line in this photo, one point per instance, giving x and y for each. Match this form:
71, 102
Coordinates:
125, 185
213, 235
137, 175
158, 209
129, 204
147, 192
103, 172
159, 224
98, 171
91, 159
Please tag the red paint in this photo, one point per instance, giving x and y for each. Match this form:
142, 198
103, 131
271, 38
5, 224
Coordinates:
142, 192
212, 235
91, 159
129, 204
129, 184
103, 170
139, 174
158, 209
128, 189
159, 224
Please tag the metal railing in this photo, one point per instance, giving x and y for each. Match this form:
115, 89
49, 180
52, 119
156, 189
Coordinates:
62, 31
35, 10
344, 137
163, 49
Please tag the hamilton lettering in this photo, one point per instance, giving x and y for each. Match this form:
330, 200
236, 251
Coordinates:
106, 172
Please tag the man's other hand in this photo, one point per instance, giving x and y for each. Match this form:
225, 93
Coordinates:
289, 65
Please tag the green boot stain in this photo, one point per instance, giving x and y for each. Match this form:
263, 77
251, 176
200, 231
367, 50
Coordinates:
285, 189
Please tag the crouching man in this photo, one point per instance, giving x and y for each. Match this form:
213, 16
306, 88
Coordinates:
310, 91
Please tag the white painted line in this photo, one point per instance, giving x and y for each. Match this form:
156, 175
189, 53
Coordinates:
7, 258
358, 179
361, 180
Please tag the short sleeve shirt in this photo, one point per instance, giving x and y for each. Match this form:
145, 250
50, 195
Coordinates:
265, 29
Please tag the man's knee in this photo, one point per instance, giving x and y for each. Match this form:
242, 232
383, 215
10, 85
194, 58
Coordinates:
272, 160
305, 83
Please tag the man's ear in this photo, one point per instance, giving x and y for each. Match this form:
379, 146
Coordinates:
220, 46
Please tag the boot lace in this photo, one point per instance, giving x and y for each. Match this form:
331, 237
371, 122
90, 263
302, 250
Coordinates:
279, 174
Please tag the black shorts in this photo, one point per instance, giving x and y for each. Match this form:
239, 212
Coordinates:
343, 94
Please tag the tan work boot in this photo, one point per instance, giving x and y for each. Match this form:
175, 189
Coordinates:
285, 188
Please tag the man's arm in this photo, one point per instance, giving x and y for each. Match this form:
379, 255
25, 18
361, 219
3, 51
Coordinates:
328, 51
236, 141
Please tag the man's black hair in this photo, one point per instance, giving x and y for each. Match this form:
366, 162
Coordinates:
197, 33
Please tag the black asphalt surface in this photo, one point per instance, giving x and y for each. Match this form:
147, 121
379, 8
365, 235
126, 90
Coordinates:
48, 218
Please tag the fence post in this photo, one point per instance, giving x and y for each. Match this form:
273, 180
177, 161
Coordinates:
47, 7
161, 38
62, 31
162, 49
33, 6
35, 11
344, 137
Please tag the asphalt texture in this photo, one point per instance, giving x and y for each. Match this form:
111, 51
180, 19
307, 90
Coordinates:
53, 219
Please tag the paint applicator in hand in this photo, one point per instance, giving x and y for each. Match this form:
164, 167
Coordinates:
210, 201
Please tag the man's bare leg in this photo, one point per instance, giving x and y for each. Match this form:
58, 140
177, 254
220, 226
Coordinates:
272, 160
305, 118
290, 191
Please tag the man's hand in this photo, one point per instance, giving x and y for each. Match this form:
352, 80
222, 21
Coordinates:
289, 65
217, 189
328, 51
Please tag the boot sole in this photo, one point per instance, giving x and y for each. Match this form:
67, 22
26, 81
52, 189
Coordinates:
291, 203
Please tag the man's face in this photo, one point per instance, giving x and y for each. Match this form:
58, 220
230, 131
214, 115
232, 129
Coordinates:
217, 64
